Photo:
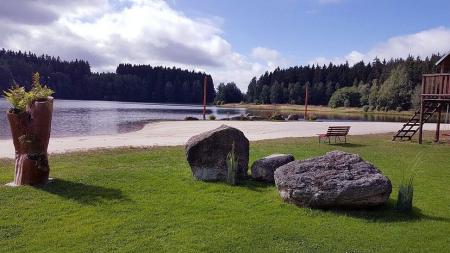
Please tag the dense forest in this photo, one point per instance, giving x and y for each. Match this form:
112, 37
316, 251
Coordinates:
378, 85
74, 80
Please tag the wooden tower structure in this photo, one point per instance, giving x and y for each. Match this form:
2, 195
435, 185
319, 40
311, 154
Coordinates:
435, 97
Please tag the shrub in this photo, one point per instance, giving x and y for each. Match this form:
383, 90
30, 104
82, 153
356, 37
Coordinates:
232, 167
212, 117
347, 96
312, 117
365, 108
398, 109
276, 116
371, 108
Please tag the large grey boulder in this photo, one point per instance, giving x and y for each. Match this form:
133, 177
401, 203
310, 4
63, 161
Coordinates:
337, 179
264, 168
206, 153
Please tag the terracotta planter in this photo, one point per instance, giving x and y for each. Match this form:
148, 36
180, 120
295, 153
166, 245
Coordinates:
31, 133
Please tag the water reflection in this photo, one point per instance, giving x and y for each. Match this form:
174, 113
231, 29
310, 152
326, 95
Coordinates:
82, 118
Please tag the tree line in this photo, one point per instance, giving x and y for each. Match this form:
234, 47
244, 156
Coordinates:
377, 85
74, 80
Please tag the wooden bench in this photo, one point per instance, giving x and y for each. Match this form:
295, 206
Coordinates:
337, 132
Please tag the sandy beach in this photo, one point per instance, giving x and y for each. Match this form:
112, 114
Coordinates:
172, 133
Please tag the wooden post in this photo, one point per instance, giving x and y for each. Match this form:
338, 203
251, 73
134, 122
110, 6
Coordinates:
421, 111
438, 125
205, 81
446, 116
306, 102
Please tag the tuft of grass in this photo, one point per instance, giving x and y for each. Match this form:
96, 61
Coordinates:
406, 189
405, 196
232, 167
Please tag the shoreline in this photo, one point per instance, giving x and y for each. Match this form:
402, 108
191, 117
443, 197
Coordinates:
175, 133
314, 109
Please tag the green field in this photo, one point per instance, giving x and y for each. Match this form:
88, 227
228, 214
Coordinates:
145, 200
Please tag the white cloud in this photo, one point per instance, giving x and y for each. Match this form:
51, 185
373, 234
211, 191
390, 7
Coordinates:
107, 33
423, 44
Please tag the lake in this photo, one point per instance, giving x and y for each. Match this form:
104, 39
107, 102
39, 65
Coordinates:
84, 118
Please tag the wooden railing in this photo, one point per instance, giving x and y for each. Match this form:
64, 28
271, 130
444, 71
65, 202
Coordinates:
436, 86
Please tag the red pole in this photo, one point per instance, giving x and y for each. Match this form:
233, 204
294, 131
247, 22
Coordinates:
204, 98
306, 102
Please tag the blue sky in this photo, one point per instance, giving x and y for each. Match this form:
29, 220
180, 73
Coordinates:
305, 29
231, 40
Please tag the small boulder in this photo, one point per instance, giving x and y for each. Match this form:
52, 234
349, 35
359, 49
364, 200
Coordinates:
277, 117
337, 179
292, 117
206, 153
255, 118
264, 168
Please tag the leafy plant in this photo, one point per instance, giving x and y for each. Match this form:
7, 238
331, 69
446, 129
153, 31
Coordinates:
18, 98
232, 167
212, 117
39, 92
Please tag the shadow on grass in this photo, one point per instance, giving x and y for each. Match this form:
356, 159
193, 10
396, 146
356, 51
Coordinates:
387, 213
348, 145
83, 193
253, 185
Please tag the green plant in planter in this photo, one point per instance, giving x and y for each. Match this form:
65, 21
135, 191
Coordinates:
39, 92
232, 167
18, 98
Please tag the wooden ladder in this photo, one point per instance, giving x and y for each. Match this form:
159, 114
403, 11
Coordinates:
413, 125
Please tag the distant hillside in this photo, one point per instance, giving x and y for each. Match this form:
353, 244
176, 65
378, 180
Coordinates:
74, 80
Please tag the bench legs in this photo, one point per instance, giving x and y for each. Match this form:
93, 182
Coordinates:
328, 137
335, 139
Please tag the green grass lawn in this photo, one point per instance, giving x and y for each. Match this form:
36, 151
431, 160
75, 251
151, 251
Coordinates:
145, 200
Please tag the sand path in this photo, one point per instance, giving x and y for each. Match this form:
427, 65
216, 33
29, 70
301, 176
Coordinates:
171, 133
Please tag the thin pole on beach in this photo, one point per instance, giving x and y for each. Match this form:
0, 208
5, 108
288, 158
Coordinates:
306, 102
204, 97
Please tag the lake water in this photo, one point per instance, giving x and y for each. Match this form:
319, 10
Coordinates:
84, 118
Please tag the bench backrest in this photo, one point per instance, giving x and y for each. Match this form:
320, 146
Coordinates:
338, 130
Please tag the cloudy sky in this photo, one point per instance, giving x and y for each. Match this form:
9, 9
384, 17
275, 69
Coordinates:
233, 40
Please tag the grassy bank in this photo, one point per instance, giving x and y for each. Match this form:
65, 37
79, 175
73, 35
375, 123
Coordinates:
145, 200
313, 109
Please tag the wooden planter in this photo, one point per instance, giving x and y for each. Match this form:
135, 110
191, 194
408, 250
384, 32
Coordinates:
31, 133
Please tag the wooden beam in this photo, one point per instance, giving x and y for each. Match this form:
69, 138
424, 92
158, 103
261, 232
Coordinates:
438, 125
421, 112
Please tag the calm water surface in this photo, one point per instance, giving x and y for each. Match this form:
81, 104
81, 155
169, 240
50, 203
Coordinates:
84, 118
